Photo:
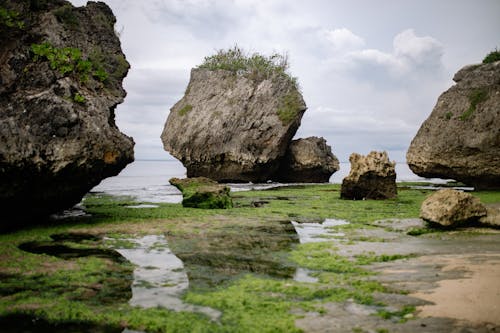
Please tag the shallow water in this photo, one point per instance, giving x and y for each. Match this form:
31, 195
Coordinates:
309, 232
147, 181
159, 277
317, 232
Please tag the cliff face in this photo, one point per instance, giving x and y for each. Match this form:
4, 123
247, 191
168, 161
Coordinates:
229, 127
461, 138
61, 72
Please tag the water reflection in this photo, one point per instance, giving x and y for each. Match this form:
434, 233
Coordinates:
159, 276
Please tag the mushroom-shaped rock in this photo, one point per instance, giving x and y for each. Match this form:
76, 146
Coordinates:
450, 207
201, 192
61, 72
234, 125
308, 160
461, 138
371, 177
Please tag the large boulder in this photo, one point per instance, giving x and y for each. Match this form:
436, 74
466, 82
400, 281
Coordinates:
201, 192
61, 72
450, 207
461, 138
308, 160
371, 177
233, 126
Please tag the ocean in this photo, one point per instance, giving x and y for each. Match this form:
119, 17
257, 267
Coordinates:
147, 181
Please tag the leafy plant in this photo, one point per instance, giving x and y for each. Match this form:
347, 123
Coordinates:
254, 66
475, 97
492, 57
68, 60
10, 19
79, 98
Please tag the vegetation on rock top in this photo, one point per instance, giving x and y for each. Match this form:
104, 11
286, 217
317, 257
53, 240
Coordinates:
493, 56
254, 66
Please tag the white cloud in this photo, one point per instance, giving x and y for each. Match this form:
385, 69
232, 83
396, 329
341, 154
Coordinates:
420, 50
343, 39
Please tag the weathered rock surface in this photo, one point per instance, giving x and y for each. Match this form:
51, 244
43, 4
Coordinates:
492, 217
308, 160
371, 177
461, 138
201, 192
61, 70
450, 207
229, 127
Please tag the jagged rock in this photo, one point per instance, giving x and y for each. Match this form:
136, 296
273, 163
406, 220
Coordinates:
61, 72
201, 192
450, 207
308, 160
461, 139
231, 127
492, 218
371, 177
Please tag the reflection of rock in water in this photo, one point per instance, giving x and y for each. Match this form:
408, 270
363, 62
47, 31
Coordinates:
159, 278
219, 255
317, 231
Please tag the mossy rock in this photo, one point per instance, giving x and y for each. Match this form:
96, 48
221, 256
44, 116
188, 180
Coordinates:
203, 192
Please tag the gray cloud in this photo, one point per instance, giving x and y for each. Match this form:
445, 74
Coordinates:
370, 71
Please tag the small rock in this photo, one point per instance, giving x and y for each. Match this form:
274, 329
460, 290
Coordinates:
371, 177
450, 207
492, 217
201, 192
308, 160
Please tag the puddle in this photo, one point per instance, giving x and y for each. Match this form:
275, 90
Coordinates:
218, 255
142, 206
159, 277
317, 232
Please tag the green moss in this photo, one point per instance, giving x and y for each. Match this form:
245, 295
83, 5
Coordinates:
84, 289
448, 115
493, 56
185, 109
203, 193
476, 97
291, 105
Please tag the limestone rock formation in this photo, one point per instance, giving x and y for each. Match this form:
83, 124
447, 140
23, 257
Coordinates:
232, 127
61, 72
201, 192
371, 177
450, 207
308, 160
492, 218
461, 138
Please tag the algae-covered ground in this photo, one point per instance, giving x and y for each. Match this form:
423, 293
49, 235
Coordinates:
383, 271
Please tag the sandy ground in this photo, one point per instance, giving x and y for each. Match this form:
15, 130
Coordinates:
475, 298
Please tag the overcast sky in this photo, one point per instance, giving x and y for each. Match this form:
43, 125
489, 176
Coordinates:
370, 71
